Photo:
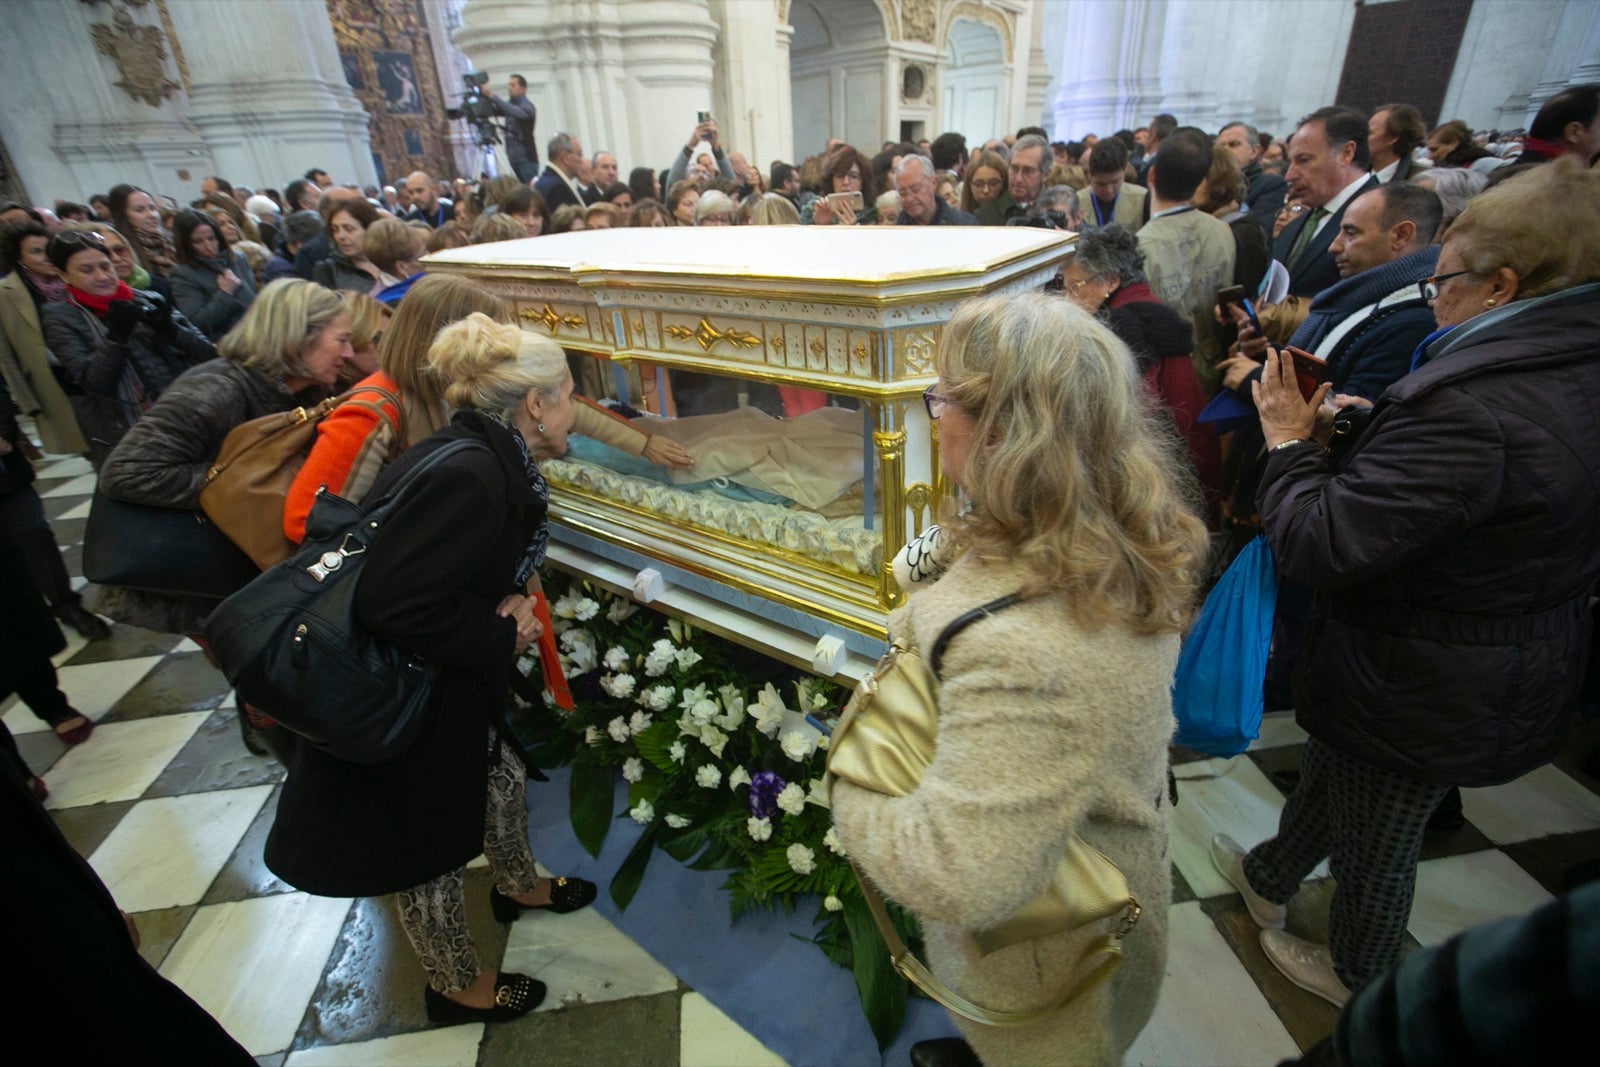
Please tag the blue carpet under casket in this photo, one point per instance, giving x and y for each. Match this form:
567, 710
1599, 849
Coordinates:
782, 990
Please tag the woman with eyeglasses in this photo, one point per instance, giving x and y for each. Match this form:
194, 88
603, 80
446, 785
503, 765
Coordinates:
211, 283
1454, 550
119, 347
988, 181
1054, 709
846, 171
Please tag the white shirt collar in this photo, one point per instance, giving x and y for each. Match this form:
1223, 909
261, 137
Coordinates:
1386, 175
1340, 199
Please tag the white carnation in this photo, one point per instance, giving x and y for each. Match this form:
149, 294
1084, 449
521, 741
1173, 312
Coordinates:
687, 657
563, 607
677, 822
618, 729
759, 829
676, 752
585, 609
616, 658
618, 685
831, 839
708, 776
660, 657
639, 723
632, 769
737, 777
829, 902
657, 697
797, 746
703, 712
792, 801
801, 859
591, 735
642, 812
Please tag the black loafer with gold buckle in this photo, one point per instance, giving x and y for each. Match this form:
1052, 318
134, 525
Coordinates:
514, 995
566, 894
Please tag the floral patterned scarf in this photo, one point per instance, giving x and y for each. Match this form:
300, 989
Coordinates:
533, 557
156, 250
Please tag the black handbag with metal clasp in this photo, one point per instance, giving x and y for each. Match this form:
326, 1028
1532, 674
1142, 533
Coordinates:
291, 645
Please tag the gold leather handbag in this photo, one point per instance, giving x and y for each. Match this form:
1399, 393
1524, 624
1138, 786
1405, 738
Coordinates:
884, 742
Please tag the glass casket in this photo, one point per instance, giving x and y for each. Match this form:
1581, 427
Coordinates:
791, 361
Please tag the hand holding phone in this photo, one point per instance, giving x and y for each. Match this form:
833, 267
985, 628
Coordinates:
1309, 371
1234, 294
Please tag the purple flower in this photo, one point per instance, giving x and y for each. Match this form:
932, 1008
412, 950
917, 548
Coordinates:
764, 789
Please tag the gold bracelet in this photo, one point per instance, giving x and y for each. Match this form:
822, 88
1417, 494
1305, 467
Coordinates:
1290, 441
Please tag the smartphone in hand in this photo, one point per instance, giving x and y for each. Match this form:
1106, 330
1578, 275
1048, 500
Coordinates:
1234, 294
1309, 371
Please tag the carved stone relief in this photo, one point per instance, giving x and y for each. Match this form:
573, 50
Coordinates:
140, 53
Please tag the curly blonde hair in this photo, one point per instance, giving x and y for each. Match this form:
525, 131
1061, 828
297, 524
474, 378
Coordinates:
1068, 471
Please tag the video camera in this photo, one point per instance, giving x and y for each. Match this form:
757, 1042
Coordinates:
476, 109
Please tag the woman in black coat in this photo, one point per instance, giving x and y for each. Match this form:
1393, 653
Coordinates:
118, 347
445, 579
1453, 550
211, 284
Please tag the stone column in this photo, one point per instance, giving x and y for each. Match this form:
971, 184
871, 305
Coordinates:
70, 129
628, 77
752, 100
1574, 55
1187, 34
267, 91
1090, 83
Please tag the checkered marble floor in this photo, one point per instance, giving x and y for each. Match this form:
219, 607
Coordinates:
172, 811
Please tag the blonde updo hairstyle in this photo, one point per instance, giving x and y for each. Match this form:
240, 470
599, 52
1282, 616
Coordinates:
490, 366
1077, 481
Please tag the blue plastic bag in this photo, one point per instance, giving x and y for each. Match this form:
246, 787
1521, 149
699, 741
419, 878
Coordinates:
1216, 692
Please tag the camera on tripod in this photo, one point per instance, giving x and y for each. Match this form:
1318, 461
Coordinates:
476, 109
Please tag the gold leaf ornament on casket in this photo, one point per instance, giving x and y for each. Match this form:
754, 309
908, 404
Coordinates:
552, 319
707, 336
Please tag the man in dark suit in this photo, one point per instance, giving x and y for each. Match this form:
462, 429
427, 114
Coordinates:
1394, 133
1264, 191
1328, 167
559, 184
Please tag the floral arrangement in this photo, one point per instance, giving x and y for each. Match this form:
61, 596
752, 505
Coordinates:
723, 750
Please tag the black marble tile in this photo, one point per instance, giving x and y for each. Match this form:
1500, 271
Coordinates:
1306, 1016
1560, 862
125, 642
639, 1031
183, 681
40, 750
73, 558
159, 930
68, 531
1181, 891
56, 506
87, 827
215, 758
245, 875
373, 985
44, 485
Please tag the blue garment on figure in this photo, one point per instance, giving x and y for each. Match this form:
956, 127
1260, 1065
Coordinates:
1216, 690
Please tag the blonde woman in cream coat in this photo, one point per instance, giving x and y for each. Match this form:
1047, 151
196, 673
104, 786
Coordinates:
1055, 713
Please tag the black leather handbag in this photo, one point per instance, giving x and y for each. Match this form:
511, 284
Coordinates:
161, 550
291, 645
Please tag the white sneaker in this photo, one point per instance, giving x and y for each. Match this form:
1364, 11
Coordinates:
1227, 855
1307, 965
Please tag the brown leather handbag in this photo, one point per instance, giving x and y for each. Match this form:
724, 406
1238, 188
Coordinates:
249, 481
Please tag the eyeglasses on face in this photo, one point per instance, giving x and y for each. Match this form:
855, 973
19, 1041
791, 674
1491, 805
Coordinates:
987, 183
934, 402
1429, 287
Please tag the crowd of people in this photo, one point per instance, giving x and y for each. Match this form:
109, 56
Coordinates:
1430, 497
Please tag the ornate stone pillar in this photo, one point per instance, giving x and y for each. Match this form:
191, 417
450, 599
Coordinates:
752, 80
627, 77
1035, 110
1574, 55
267, 91
1185, 53
1094, 84
94, 96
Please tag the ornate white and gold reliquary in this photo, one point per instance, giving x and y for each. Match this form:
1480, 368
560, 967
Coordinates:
791, 361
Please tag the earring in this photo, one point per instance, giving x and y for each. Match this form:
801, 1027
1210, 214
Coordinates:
541, 427
1489, 303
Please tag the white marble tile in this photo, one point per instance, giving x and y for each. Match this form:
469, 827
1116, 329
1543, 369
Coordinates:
1542, 802
120, 760
708, 1038
79, 512
65, 467
1221, 796
78, 486
165, 853
187, 645
448, 1046
1279, 729
78, 582
92, 688
254, 964
1210, 1010
1459, 892
581, 957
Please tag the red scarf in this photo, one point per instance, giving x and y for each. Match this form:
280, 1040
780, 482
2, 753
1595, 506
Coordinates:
1544, 149
99, 304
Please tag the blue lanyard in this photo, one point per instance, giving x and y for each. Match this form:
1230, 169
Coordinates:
1099, 218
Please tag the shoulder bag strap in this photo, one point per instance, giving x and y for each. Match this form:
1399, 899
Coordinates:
962, 621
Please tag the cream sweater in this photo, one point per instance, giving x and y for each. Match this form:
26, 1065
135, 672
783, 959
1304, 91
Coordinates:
1044, 730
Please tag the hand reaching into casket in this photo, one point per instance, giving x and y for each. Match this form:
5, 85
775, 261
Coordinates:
665, 452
